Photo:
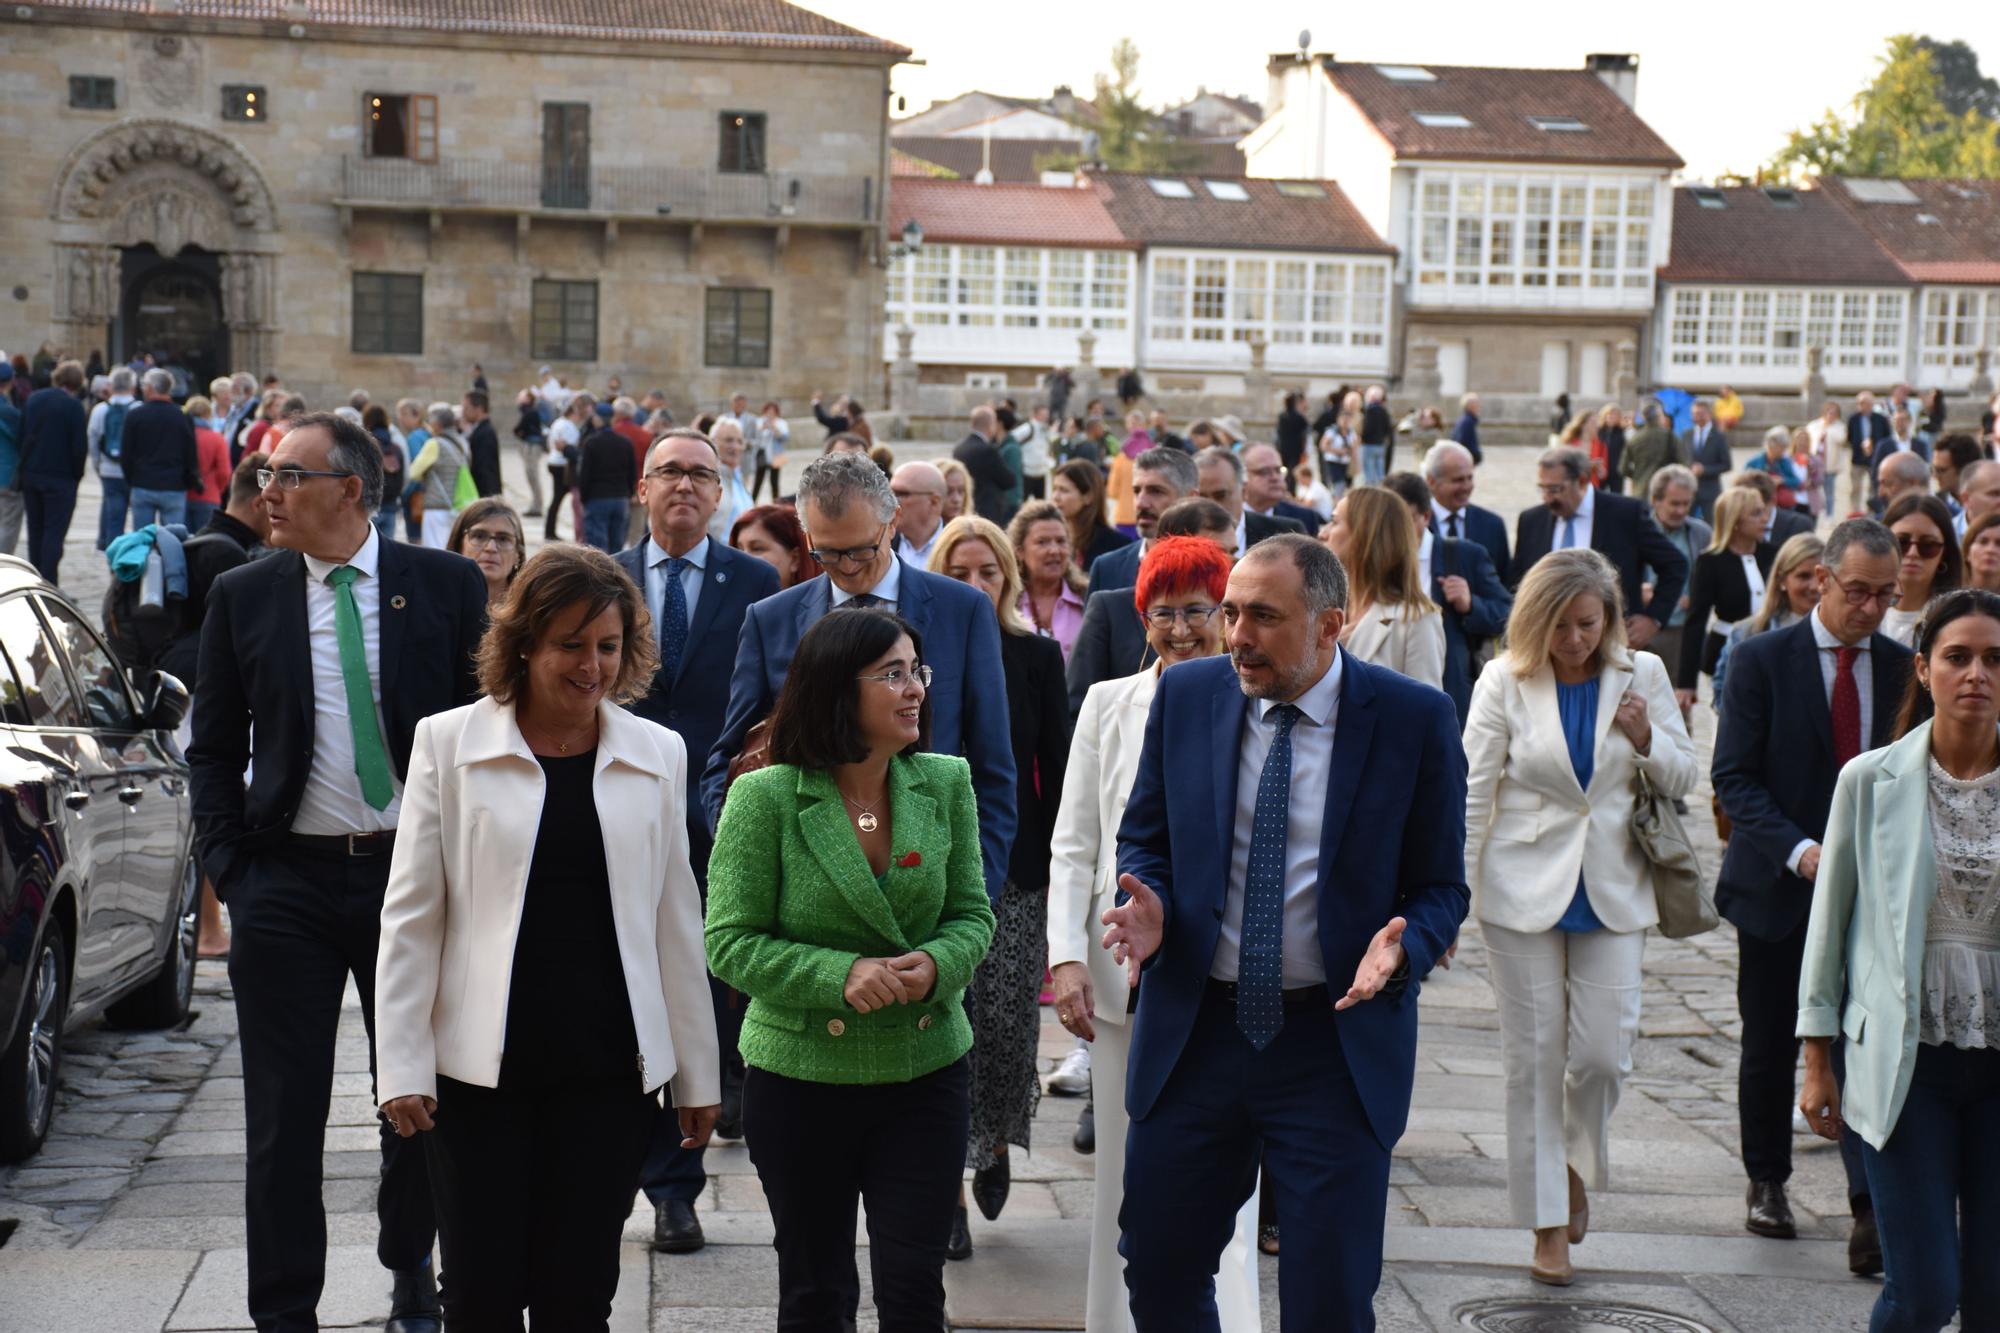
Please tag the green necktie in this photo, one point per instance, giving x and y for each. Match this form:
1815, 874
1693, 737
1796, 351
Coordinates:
371, 760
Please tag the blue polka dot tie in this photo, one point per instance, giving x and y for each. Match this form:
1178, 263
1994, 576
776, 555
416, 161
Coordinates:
673, 619
1260, 974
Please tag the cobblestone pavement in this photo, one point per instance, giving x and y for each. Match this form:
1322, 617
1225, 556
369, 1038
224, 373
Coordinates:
131, 1218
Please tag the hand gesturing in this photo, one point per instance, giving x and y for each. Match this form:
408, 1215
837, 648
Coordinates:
1136, 927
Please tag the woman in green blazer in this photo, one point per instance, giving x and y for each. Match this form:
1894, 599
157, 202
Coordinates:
846, 899
1903, 962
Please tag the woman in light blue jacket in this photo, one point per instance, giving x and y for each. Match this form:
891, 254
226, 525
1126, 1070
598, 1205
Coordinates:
1903, 962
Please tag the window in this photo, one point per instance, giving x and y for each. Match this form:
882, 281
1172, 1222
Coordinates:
565, 155
388, 314
737, 330
1782, 198
1228, 191
1169, 189
1016, 287
1301, 190
1443, 120
93, 92
100, 681
1295, 301
1957, 322
1558, 124
1708, 198
1765, 330
1170, 299
39, 693
401, 125
742, 142
563, 320
1505, 231
245, 101
1406, 74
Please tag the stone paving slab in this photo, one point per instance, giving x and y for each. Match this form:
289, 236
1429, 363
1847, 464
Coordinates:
128, 1291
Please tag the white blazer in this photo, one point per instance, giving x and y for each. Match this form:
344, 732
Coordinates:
1530, 829
1413, 646
471, 809
1083, 868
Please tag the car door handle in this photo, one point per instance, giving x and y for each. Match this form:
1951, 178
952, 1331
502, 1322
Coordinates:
131, 795
76, 800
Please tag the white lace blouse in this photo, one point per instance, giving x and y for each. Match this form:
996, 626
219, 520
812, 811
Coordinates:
1961, 1001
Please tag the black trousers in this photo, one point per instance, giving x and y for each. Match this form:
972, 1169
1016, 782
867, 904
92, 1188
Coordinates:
898, 1149
533, 1187
300, 922
764, 469
558, 492
674, 1172
1767, 996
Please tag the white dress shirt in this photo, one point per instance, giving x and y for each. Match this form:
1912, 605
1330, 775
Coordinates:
1312, 766
1864, 683
332, 802
888, 588
919, 556
656, 579
1444, 519
1424, 546
1585, 512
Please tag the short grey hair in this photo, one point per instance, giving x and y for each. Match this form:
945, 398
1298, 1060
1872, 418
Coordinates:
1571, 460
1467, 401
1673, 474
1217, 456
245, 382
831, 482
157, 380
1970, 474
440, 414
124, 379
1907, 465
1439, 452
1782, 434
1325, 580
1177, 467
1864, 534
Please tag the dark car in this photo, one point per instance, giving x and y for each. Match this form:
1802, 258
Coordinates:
98, 887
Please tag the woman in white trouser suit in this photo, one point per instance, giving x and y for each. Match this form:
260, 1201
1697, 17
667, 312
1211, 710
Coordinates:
1559, 729
1181, 583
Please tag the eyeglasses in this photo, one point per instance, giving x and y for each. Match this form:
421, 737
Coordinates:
499, 541
672, 474
290, 478
849, 555
1860, 594
1197, 617
1926, 547
895, 677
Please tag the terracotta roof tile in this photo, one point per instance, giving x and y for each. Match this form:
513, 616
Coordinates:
1269, 219
1028, 215
1949, 232
1499, 103
763, 23
1807, 238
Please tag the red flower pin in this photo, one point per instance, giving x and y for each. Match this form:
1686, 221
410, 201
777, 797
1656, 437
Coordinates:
911, 859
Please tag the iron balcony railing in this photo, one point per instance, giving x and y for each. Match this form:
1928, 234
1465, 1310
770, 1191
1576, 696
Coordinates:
680, 192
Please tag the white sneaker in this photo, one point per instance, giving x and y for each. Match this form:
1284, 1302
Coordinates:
1072, 1076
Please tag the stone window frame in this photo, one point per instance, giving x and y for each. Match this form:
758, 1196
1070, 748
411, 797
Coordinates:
246, 103
571, 342
740, 131
93, 92
421, 133
388, 343
739, 354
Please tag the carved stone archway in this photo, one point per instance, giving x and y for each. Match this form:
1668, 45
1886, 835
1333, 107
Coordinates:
171, 185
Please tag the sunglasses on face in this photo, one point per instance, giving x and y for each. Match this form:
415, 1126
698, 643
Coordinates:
1926, 547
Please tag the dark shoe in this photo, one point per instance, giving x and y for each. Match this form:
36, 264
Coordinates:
1267, 1238
990, 1186
676, 1230
1085, 1139
1864, 1245
1770, 1214
959, 1246
413, 1302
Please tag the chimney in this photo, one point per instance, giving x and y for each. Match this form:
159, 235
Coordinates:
1275, 70
1620, 74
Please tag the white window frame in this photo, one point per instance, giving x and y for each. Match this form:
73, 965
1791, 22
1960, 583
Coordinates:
1207, 299
1956, 322
1542, 237
1722, 332
1012, 287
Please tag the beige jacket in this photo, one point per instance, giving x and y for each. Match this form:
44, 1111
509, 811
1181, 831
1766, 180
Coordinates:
1413, 646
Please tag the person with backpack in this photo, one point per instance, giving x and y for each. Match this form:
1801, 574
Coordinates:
444, 472
107, 453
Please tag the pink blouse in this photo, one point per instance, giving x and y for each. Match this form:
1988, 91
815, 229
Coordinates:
1063, 624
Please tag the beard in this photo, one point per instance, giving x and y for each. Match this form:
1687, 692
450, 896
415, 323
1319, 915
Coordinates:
1284, 685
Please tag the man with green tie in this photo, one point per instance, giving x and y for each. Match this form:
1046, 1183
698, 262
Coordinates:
316, 665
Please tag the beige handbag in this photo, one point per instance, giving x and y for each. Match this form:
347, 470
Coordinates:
1687, 905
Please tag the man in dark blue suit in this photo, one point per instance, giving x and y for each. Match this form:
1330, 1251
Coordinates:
1460, 579
1161, 478
698, 591
849, 514
1288, 891
1797, 704
1448, 469
1617, 527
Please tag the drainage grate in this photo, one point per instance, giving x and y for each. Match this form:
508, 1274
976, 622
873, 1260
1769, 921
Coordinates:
1524, 1316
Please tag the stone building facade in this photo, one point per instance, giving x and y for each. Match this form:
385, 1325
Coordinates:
382, 192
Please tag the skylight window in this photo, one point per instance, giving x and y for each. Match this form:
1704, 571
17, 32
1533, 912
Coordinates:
1708, 197
1876, 191
1558, 124
1443, 120
1782, 198
1406, 73
1169, 189
1301, 190
1227, 190
1928, 219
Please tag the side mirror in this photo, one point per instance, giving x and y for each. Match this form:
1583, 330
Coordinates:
163, 701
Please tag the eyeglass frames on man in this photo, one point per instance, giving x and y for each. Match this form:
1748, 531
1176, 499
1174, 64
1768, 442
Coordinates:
895, 677
290, 478
849, 555
1860, 594
672, 474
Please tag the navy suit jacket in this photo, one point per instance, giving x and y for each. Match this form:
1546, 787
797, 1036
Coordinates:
1308, 520
692, 702
1488, 529
1485, 619
968, 691
1773, 769
1392, 843
1622, 531
1116, 569
1110, 643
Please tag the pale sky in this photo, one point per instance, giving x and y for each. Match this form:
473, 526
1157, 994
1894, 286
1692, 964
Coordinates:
1720, 80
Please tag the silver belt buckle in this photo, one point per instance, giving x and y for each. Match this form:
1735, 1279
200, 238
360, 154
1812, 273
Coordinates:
352, 848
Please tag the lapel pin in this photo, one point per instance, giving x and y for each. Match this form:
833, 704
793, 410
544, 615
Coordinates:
721, 577
398, 602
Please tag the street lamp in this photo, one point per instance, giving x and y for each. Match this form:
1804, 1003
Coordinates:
913, 240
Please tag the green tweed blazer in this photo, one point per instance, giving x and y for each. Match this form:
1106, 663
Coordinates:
792, 902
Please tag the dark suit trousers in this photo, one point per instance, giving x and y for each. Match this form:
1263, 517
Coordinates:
48, 505
533, 1188
1191, 1163
674, 1172
300, 922
896, 1148
1767, 996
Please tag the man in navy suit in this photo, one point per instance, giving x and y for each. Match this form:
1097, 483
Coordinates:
1707, 448
1617, 527
1866, 430
1448, 468
1161, 478
849, 514
1797, 704
698, 591
1264, 491
1288, 891
1461, 580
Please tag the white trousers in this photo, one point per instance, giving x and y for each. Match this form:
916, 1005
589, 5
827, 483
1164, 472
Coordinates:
437, 526
1569, 1009
1106, 1309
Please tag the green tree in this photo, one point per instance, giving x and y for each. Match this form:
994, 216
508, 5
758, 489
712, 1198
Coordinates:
1902, 124
1128, 135
1963, 87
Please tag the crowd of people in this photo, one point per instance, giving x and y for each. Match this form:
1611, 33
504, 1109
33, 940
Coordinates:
915, 724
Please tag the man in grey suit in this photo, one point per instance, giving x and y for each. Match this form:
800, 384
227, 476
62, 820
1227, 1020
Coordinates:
1707, 449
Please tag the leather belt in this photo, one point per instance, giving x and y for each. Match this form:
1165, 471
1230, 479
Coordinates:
346, 844
1294, 999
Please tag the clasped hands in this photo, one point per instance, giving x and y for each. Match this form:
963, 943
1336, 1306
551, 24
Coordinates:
877, 983
1138, 924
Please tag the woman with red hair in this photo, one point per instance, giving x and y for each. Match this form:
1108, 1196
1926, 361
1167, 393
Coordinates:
772, 534
1179, 598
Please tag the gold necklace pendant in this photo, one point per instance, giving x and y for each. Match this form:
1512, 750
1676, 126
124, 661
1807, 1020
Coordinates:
867, 822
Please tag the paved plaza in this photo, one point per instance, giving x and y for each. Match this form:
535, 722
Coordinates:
131, 1217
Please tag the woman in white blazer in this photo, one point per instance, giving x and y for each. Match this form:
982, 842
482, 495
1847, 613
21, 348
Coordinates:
1558, 731
1391, 622
541, 972
1902, 962
1181, 583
